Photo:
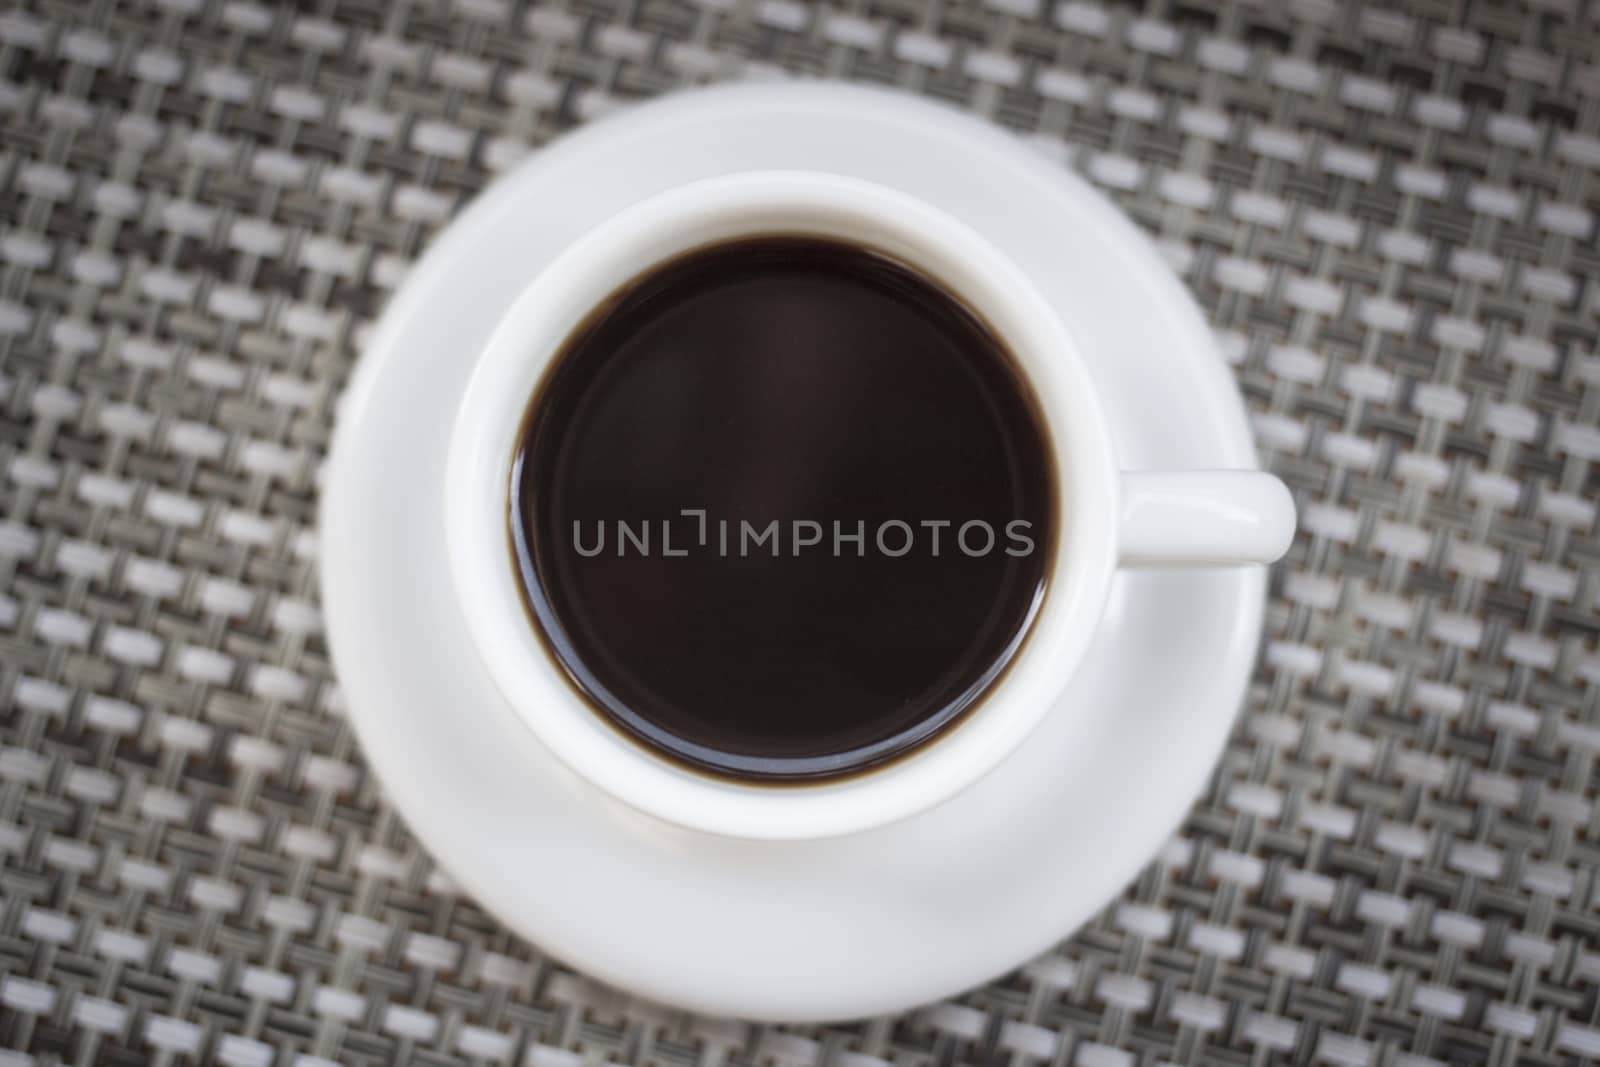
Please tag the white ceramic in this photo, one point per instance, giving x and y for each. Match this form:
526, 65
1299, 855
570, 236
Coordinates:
1205, 517
804, 929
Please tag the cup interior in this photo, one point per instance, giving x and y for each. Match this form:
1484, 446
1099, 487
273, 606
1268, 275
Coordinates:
632, 243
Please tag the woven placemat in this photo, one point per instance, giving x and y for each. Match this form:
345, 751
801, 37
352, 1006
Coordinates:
1389, 219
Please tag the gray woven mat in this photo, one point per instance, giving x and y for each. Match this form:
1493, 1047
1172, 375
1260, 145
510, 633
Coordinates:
1390, 220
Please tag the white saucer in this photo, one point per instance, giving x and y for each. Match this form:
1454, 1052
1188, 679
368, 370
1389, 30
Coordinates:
807, 930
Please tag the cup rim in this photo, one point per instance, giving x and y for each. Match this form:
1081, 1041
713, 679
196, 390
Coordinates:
630, 243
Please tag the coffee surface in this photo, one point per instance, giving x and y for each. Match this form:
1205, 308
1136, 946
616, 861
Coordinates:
749, 507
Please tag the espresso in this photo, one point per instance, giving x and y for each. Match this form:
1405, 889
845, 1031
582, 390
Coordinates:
783, 509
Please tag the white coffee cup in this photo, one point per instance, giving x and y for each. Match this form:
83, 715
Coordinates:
1108, 518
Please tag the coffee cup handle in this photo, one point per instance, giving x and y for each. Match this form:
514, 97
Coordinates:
1204, 517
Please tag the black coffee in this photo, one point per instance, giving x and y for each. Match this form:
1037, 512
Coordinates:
783, 509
